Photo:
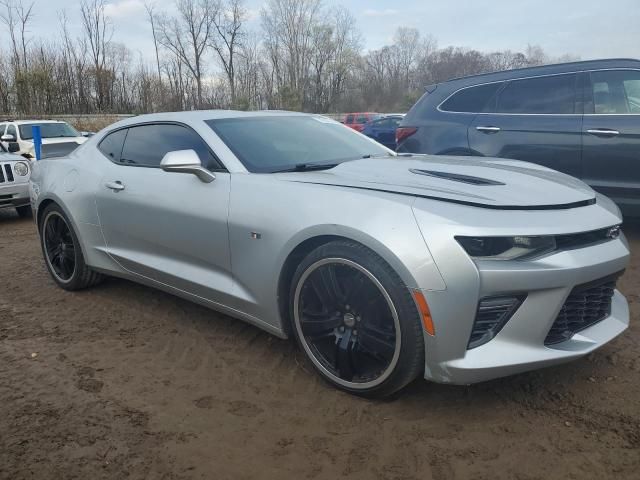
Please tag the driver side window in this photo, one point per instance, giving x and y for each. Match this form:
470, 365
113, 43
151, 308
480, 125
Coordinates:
146, 145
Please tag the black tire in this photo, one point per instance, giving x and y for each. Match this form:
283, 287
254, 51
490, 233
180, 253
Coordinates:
321, 323
62, 253
24, 211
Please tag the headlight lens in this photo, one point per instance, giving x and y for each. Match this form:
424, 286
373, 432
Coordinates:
21, 168
507, 248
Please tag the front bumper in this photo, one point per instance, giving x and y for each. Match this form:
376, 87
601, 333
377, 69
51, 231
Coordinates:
14, 195
546, 282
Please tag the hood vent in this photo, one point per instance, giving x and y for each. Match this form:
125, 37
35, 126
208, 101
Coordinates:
456, 177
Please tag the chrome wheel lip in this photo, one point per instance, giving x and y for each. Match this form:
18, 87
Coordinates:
306, 346
46, 253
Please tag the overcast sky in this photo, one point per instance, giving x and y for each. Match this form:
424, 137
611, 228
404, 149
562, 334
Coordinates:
586, 28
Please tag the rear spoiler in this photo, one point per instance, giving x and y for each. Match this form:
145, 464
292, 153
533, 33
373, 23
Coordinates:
431, 88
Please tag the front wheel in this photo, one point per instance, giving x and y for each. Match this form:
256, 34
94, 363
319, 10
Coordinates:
356, 321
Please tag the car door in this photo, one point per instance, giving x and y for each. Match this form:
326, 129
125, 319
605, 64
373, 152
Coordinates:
534, 119
387, 132
611, 136
167, 226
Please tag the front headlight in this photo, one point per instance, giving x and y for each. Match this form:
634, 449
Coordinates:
21, 168
507, 248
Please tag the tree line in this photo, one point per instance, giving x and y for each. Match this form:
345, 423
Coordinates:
305, 56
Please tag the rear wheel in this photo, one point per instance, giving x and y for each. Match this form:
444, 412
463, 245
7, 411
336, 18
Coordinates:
62, 252
356, 321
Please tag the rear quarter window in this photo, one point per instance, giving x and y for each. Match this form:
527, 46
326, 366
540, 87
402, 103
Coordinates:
111, 145
472, 99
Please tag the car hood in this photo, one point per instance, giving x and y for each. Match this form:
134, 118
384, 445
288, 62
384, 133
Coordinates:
78, 140
486, 182
11, 157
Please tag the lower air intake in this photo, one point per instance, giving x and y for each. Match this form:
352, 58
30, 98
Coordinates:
585, 306
493, 313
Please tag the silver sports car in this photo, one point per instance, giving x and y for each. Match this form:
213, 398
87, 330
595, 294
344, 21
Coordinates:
384, 267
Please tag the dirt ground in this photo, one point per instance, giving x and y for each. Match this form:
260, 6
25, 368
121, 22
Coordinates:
123, 381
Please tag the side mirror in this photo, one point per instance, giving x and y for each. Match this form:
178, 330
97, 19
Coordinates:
87, 134
186, 161
7, 137
13, 146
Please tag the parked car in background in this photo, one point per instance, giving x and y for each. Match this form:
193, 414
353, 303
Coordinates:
14, 182
358, 120
581, 118
383, 130
384, 270
58, 138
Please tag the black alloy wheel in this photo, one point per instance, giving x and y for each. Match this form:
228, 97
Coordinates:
348, 312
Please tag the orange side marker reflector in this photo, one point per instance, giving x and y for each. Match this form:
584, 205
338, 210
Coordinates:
425, 313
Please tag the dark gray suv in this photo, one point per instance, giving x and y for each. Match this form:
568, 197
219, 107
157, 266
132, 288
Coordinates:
581, 118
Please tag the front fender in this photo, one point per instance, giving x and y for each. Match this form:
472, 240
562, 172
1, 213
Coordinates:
268, 219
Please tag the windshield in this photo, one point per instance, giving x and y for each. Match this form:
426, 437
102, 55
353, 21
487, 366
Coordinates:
275, 143
48, 130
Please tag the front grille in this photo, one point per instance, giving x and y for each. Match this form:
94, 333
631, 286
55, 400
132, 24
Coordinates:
585, 306
584, 239
5, 199
6, 174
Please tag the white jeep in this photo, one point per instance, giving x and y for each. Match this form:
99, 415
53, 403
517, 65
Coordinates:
58, 138
14, 182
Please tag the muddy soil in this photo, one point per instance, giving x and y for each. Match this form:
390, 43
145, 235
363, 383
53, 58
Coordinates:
123, 381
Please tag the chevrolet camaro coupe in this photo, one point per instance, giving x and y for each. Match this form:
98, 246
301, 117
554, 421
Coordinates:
383, 266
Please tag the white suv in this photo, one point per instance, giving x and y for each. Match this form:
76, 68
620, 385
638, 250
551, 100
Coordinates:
14, 183
58, 138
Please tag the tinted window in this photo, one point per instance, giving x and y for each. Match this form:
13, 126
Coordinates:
543, 95
387, 123
146, 145
11, 130
616, 91
268, 144
471, 100
48, 130
111, 145
361, 118
349, 119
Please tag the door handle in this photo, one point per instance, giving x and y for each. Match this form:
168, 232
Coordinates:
603, 132
488, 129
115, 186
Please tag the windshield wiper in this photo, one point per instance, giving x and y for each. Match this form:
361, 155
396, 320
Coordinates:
307, 167
382, 155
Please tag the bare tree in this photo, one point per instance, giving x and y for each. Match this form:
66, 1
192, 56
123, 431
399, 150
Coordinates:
9, 18
98, 33
25, 15
288, 27
228, 23
150, 8
188, 36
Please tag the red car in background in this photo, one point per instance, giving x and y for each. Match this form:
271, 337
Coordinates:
358, 120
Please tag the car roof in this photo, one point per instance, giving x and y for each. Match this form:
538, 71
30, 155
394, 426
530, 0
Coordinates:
22, 122
544, 70
204, 115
